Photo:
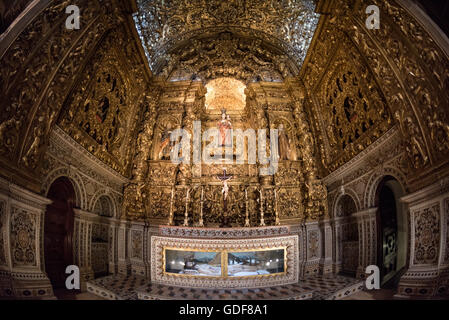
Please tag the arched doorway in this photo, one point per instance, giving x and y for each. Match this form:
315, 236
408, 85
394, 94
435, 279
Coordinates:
58, 231
347, 235
392, 231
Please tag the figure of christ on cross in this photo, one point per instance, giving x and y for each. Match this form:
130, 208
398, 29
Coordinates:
225, 191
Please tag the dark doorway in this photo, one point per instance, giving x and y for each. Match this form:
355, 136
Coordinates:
58, 235
391, 232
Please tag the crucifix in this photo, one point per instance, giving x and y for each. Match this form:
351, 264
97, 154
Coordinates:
225, 192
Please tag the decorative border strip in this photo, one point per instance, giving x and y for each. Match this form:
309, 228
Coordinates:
221, 233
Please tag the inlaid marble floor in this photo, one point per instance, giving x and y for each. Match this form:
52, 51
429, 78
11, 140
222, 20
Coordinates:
119, 287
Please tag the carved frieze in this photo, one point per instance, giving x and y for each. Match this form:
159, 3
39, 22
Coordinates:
223, 233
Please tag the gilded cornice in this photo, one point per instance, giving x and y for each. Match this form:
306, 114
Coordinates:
63, 140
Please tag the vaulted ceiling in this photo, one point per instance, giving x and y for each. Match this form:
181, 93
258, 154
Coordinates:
271, 38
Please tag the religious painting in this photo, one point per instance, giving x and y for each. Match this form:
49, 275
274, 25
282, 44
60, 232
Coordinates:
194, 263
256, 263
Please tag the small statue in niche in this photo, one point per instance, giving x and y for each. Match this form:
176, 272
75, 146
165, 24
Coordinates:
103, 109
166, 146
284, 144
224, 126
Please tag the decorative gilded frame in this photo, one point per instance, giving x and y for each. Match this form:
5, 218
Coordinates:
224, 262
288, 243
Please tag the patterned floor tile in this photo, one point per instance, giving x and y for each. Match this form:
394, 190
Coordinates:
325, 287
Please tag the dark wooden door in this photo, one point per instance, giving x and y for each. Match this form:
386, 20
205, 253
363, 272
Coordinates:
59, 232
389, 233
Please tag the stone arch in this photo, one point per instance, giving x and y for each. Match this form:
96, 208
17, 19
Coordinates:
103, 194
369, 200
348, 192
75, 178
345, 197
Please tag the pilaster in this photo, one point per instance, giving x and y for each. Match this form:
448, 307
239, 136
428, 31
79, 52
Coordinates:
428, 271
367, 227
22, 266
326, 245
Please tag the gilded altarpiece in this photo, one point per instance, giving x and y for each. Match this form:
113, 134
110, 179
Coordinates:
163, 192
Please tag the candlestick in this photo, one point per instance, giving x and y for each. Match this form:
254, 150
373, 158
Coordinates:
170, 219
186, 214
247, 224
277, 221
262, 221
201, 222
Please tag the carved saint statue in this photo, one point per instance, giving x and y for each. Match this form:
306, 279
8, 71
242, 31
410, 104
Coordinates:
224, 126
165, 148
284, 144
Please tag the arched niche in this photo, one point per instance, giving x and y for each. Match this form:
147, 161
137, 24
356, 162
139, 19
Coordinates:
347, 235
104, 206
100, 238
